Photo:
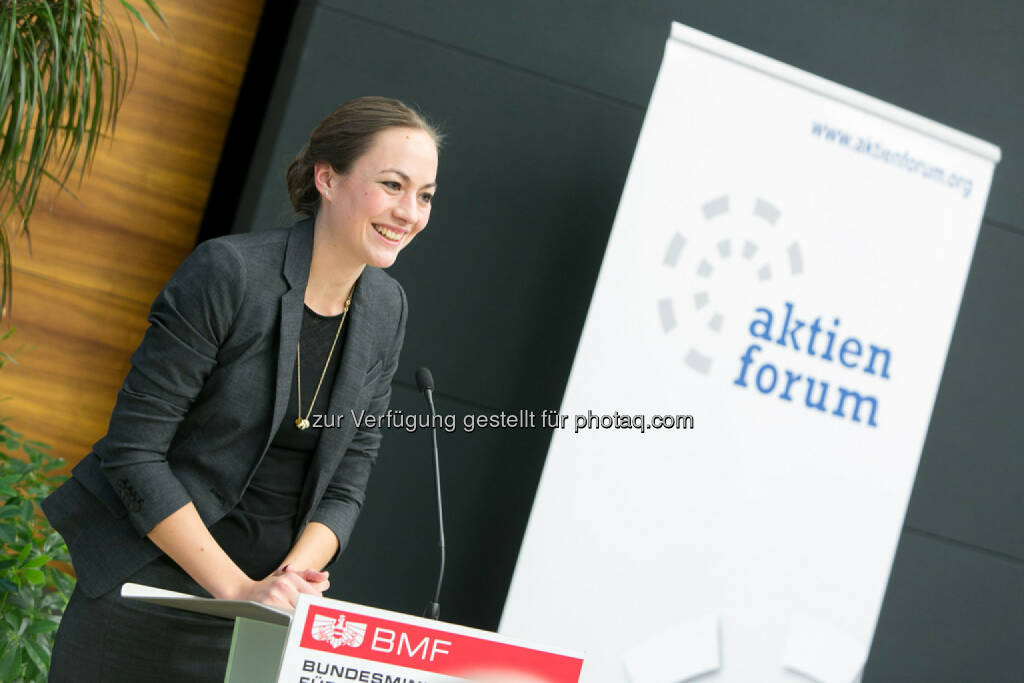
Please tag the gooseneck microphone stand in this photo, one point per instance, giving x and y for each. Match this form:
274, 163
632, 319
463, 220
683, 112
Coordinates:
425, 383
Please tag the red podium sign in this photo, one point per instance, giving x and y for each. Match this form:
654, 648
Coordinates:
330, 641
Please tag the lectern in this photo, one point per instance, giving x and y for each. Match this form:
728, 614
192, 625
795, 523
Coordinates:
331, 641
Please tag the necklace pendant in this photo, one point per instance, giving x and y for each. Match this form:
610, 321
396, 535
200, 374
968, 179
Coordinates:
302, 423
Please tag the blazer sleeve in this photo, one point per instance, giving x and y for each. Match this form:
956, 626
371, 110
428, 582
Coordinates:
189, 320
344, 496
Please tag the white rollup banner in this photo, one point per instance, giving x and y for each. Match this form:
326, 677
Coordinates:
785, 268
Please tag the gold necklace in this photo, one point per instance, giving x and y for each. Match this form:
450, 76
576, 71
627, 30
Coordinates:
303, 422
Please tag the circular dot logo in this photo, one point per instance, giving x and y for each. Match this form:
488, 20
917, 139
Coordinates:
726, 256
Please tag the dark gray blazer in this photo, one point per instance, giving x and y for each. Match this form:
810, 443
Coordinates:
207, 387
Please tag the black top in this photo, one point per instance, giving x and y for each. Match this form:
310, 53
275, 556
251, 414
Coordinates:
260, 530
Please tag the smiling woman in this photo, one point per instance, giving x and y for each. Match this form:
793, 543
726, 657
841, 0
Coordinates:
189, 490
369, 213
367, 175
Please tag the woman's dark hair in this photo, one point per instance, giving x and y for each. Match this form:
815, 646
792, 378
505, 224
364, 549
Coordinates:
344, 136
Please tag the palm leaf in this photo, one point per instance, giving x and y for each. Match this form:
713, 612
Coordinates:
142, 20
63, 79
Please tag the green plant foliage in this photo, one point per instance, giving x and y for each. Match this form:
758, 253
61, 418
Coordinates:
33, 591
63, 77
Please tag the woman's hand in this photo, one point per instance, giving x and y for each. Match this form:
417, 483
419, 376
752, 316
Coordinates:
282, 588
187, 541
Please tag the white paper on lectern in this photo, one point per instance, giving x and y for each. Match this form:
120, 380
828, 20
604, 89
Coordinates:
229, 609
756, 189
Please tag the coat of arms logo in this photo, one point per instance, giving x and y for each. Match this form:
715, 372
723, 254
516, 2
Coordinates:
337, 632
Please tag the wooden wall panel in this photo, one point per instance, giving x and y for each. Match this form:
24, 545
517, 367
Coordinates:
96, 262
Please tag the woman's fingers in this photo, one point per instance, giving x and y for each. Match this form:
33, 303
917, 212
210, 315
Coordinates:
314, 577
282, 591
282, 588
317, 579
311, 575
307, 581
300, 584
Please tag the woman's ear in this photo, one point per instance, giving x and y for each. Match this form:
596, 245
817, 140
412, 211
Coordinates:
325, 178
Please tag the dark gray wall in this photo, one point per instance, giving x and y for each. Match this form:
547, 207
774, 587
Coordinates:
543, 102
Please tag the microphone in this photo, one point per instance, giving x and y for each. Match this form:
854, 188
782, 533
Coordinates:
425, 383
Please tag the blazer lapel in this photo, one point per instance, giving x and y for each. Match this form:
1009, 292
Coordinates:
348, 384
295, 271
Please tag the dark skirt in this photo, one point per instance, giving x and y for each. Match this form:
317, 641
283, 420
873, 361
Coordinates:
110, 639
